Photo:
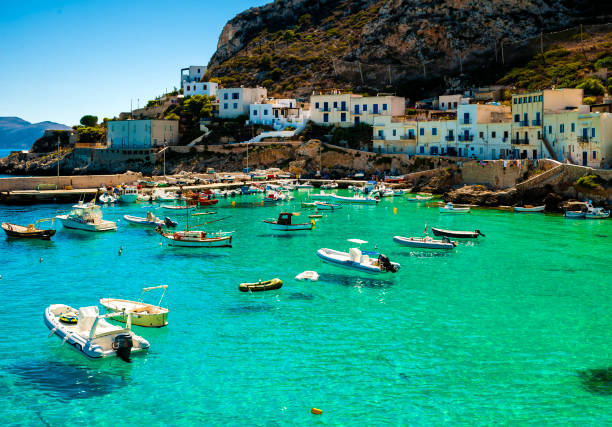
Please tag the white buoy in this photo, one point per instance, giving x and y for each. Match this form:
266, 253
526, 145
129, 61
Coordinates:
120, 250
40, 260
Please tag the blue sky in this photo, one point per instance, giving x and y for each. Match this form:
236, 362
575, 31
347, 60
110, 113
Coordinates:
65, 59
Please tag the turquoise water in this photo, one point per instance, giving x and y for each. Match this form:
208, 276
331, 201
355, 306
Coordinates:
507, 329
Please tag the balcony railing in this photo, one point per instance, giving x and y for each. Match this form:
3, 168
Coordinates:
524, 123
520, 141
465, 138
583, 139
450, 138
466, 121
536, 123
408, 137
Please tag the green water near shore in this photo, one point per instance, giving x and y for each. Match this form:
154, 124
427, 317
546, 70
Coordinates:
513, 328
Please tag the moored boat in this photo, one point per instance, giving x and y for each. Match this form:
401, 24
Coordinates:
596, 213
128, 194
575, 214
177, 207
266, 285
355, 199
87, 217
107, 198
283, 223
304, 185
419, 198
356, 260
150, 220
320, 195
88, 332
529, 208
311, 276
457, 234
198, 239
425, 242
450, 208
325, 206
29, 232
143, 314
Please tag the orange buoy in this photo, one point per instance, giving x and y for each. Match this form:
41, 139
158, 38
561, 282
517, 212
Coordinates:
394, 211
233, 203
316, 411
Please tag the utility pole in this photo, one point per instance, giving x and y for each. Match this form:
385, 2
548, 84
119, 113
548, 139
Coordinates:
502, 52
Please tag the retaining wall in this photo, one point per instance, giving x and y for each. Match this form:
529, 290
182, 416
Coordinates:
76, 181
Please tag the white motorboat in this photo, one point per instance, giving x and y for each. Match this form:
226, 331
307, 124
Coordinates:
325, 206
329, 186
305, 185
274, 197
575, 214
311, 276
529, 208
418, 198
449, 208
283, 223
355, 199
142, 314
198, 239
150, 220
128, 194
321, 195
177, 207
356, 260
425, 242
107, 198
88, 332
164, 196
595, 213
88, 217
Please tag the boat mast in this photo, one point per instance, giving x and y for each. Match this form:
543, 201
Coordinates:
58, 161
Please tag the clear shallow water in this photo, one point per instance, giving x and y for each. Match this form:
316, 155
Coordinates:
507, 329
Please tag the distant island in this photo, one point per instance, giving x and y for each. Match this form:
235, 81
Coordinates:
16, 133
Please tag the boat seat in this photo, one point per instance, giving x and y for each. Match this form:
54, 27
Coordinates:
87, 317
355, 254
365, 259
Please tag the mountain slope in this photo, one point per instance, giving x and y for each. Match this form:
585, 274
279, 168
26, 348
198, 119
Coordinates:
295, 46
20, 134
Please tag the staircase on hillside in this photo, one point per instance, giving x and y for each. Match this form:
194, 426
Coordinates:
549, 147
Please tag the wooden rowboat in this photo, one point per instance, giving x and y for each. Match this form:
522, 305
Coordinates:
29, 232
529, 208
260, 286
457, 234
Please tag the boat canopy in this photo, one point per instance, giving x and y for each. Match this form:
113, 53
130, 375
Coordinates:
358, 241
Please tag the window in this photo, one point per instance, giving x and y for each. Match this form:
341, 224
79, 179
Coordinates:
225, 106
421, 131
325, 106
225, 96
515, 100
335, 104
561, 128
550, 129
520, 100
235, 95
541, 97
384, 107
356, 120
505, 134
325, 117
365, 107
204, 87
592, 132
443, 105
573, 127
434, 131
198, 70
343, 117
394, 132
517, 118
356, 108
375, 109
524, 100
316, 105
481, 135
594, 155
235, 106
265, 112
343, 106
422, 149
188, 88
254, 112
480, 150
380, 133
492, 134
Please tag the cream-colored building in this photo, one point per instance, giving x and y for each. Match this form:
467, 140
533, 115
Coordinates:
234, 102
141, 134
347, 109
451, 102
528, 110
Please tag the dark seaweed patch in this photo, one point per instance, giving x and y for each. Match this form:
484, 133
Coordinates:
597, 381
301, 296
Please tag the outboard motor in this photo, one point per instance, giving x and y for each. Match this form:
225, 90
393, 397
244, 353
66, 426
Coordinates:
478, 232
385, 264
122, 344
169, 222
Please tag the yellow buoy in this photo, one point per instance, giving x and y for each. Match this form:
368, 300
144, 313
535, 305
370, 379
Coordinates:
233, 203
394, 211
316, 411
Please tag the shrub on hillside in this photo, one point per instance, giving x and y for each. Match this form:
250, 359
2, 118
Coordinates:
589, 100
590, 181
592, 86
605, 62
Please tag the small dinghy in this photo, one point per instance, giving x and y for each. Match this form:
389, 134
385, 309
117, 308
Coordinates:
142, 314
419, 198
29, 232
355, 199
107, 198
260, 286
425, 242
88, 332
450, 208
308, 275
575, 214
356, 260
529, 208
309, 205
315, 216
320, 195
457, 234
177, 207
324, 206
150, 220
283, 223
595, 213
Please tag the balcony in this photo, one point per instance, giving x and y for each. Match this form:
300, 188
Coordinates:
523, 123
466, 121
408, 137
583, 139
519, 141
536, 123
465, 138
449, 138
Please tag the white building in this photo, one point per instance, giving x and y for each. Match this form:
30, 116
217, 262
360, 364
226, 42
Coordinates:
451, 102
191, 74
200, 88
141, 134
350, 109
234, 102
278, 113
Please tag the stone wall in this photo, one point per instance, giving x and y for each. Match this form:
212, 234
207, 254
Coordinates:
76, 181
493, 173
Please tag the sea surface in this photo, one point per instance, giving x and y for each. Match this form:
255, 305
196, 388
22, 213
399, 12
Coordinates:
511, 329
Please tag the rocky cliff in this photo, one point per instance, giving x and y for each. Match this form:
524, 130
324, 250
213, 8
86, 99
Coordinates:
294, 46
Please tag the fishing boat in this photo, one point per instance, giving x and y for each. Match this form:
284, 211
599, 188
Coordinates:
177, 207
31, 231
206, 201
198, 239
457, 234
305, 185
164, 196
595, 213
88, 332
321, 195
274, 197
575, 214
356, 260
330, 186
87, 217
355, 199
450, 208
324, 206
283, 223
425, 242
315, 216
142, 314
128, 194
419, 198
150, 220
267, 285
107, 198
529, 208
311, 276
309, 205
